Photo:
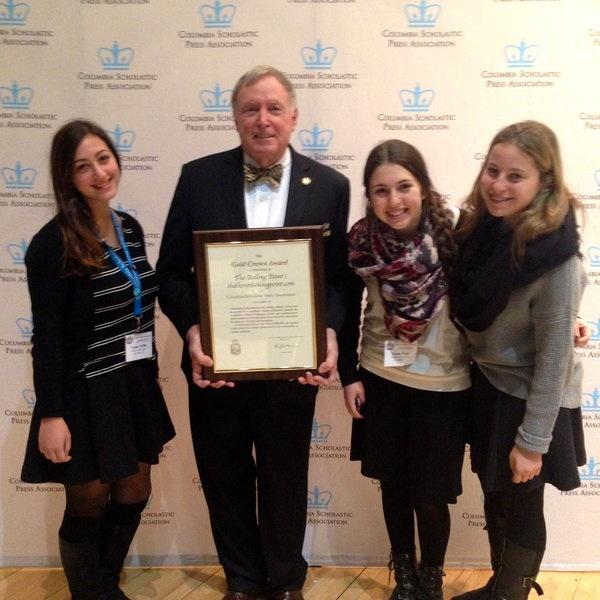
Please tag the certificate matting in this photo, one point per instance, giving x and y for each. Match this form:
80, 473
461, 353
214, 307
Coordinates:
262, 302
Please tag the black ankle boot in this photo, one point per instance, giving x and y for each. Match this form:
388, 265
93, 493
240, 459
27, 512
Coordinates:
405, 574
429, 586
121, 521
80, 563
517, 574
496, 540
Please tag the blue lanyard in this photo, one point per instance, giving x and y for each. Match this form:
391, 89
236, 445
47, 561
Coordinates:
127, 269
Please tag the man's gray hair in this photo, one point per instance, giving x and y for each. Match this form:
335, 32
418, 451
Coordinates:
257, 73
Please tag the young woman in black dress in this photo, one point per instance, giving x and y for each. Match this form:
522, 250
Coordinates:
100, 419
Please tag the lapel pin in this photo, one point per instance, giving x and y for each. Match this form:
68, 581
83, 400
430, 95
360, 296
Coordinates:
306, 181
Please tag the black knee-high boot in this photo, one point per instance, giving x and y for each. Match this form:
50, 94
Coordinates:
118, 529
496, 539
517, 573
78, 545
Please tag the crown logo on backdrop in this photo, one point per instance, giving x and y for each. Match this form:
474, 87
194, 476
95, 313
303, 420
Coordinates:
17, 252
594, 400
25, 327
129, 211
13, 13
216, 100
417, 99
315, 139
122, 138
320, 431
594, 256
319, 57
115, 58
591, 469
29, 397
217, 14
521, 55
595, 329
13, 96
318, 498
422, 14
597, 175
19, 177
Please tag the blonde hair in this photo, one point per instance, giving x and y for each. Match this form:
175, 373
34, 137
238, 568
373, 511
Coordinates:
548, 209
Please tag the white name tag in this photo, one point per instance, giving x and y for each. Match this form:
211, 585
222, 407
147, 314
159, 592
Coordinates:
397, 353
138, 346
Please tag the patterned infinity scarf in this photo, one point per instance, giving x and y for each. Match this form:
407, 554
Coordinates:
410, 275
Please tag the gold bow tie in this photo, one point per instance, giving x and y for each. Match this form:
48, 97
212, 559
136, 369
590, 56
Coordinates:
271, 175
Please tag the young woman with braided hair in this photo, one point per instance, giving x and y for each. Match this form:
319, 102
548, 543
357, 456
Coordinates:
408, 392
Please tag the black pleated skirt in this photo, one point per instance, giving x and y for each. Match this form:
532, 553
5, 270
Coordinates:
116, 420
495, 418
413, 437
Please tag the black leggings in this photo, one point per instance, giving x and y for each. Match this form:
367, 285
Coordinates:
433, 522
520, 513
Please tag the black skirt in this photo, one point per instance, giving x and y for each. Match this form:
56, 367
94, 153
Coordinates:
116, 420
415, 437
495, 418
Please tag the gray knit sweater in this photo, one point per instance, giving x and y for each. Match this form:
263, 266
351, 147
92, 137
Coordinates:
528, 352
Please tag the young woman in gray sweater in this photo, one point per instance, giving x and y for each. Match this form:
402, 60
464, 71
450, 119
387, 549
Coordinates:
516, 291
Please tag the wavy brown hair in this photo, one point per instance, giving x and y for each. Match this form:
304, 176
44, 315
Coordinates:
401, 153
82, 250
548, 209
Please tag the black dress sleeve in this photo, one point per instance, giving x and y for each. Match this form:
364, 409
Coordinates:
49, 292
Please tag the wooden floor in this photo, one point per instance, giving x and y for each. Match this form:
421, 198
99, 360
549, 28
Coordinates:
323, 583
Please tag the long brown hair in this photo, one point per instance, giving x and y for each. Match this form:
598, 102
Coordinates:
548, 209
401, 153
82, 250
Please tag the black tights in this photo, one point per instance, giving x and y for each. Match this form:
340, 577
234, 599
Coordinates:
86, 503
520, 512
433, 522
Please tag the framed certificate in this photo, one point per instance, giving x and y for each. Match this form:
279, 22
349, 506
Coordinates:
262, 301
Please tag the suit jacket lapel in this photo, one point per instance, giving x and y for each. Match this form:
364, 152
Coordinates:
232, 188
299, 193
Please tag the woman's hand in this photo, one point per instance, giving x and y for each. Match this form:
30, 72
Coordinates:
54, 439
354, 396
524, 464
581, 334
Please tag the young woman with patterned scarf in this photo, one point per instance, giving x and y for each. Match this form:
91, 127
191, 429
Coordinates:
516, 290
409, 393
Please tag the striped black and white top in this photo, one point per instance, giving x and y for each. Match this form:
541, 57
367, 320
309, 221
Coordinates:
113, 307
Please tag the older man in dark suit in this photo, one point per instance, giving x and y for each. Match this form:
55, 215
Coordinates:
257, 506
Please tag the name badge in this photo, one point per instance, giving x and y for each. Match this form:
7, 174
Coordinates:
138, 346
397, 353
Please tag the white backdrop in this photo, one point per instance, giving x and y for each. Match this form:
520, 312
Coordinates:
158, 74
